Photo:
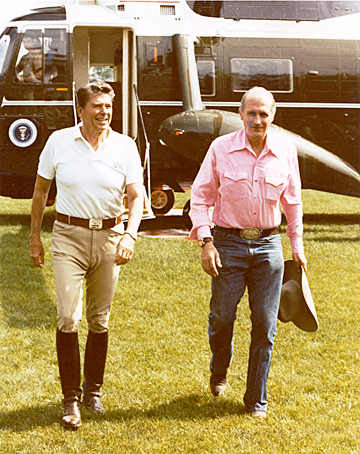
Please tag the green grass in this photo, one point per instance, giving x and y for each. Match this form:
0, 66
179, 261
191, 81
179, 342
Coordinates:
156, 382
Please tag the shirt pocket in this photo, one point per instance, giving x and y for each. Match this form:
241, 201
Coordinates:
234, 184
274, 186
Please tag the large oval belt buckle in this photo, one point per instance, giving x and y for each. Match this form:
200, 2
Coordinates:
250, 233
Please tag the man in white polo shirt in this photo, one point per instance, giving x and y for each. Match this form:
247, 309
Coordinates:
92, 165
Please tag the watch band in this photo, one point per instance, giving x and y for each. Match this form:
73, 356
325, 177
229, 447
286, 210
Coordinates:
130, 235
205, 240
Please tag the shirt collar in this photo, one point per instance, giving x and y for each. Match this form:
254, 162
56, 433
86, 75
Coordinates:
77, 132
78, 135
241, 142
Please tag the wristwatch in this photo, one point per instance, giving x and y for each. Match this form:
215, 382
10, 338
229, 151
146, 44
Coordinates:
205, 240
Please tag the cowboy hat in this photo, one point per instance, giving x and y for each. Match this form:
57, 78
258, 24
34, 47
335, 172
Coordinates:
296, 303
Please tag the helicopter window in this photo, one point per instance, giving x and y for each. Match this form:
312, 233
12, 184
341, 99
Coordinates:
154, 56
104, 73
29, 66
274, 75
157, 75
158, 70
7, 41
206, 73
42, 57
55, 56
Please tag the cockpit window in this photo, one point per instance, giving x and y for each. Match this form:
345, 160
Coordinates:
42, 57
7, 40
29, 66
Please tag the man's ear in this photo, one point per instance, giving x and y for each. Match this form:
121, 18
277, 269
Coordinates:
240, 113
79, 110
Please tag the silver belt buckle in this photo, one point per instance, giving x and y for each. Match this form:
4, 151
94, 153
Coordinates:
250, 233
95, 224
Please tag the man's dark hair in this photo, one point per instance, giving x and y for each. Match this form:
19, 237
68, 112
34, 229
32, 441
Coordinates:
36, 43
85, 93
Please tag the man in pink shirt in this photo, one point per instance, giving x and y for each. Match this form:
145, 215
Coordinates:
245, 176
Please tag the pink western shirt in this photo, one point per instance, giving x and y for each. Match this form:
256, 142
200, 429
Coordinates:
245, 190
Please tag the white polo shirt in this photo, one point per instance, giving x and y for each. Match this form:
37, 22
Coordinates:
90, 184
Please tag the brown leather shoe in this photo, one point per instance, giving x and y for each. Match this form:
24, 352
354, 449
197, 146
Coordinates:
93, 402
218, 384
72, 415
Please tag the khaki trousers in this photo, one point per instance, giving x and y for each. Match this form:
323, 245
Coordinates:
80, 253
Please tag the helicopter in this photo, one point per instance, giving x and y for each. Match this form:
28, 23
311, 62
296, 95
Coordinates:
179, 69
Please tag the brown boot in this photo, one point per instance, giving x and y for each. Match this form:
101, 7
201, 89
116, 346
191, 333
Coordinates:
218, 384
94, 368
72, 415
67, 348
93, 402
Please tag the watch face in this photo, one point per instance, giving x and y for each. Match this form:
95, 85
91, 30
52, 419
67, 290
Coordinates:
202, 242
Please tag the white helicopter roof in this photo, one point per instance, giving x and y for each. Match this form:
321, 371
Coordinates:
169, 17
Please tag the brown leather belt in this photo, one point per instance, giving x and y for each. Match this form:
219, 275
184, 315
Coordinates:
250, 233
93, 224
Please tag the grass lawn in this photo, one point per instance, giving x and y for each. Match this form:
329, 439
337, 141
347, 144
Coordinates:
157, 374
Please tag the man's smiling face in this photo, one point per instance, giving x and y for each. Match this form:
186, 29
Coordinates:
257, 116
97, 113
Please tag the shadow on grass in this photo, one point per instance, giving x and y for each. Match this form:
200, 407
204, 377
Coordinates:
332, 229
192, 407
24, 296
170, 222
164, 222
30, 418
24, 220
321, 218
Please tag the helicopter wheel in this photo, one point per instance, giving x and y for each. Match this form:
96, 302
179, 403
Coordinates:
162, 200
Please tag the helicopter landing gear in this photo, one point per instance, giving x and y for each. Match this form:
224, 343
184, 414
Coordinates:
162, 200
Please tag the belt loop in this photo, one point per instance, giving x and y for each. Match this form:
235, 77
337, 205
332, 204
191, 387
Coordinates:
69, 219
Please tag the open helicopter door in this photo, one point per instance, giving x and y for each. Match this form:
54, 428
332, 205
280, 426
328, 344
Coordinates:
108, 54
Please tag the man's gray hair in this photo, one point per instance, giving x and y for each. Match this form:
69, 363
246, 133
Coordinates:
266, 93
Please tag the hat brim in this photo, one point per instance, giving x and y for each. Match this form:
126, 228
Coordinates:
306, 318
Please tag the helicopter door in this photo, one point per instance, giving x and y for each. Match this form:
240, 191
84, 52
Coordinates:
107, 54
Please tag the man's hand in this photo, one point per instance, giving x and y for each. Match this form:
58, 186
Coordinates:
36, 252
210, 259
301, 261
124, 249
41, 192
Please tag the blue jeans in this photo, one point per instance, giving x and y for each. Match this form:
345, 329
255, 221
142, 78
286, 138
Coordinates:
259, 265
